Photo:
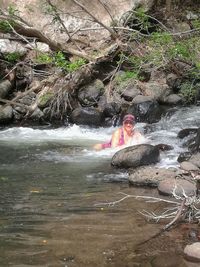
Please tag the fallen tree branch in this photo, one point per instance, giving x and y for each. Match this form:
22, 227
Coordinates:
21, 29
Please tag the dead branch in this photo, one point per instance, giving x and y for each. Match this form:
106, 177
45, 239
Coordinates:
185, 208
22, 29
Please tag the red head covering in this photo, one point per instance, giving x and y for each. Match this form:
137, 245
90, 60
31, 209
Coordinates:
129, 117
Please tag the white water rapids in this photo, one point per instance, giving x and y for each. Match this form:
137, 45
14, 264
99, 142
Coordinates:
165, 131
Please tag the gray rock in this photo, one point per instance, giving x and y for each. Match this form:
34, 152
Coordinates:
5, 87
167, 186
158, 90
173, 99
7, 47
188, 166
88, 116
192, 252
90, 94
6, 114
195, 159
150, 176
37, 114
145, 108
135, 156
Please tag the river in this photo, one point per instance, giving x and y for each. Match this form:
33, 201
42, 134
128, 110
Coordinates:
50, 183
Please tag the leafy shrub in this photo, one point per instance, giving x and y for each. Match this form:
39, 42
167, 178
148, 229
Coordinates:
12, 57
188, 91
59, 60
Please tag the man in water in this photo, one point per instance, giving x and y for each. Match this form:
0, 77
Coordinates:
124, 135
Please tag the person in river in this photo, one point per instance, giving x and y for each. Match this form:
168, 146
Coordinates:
124, 135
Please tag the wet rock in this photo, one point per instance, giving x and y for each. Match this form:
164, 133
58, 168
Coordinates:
134, 156
145, 108
150, 176
87, 116
6, 114
184, 156
164, 147
192, 252
186, 132
188, 166
167, 186
5, 88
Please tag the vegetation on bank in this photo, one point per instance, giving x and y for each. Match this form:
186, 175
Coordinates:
139, 43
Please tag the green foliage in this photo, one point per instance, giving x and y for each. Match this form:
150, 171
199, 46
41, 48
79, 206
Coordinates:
44, 99
12, 57
58, 59
196, 23
125, 76
128, 75
77, 64
188, 91
12, 10
44, 58
163, 38
180, 50
142, 17
4, 26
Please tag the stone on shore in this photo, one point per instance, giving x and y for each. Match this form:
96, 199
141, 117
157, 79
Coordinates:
150, 176
179, 186
192, 252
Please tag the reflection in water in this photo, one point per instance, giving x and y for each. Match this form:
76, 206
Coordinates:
50, 180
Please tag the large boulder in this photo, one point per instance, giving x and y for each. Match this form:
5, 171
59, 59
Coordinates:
157, 89
134, 156
145, 108
89, 116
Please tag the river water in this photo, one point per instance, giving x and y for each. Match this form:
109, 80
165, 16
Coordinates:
50, 183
